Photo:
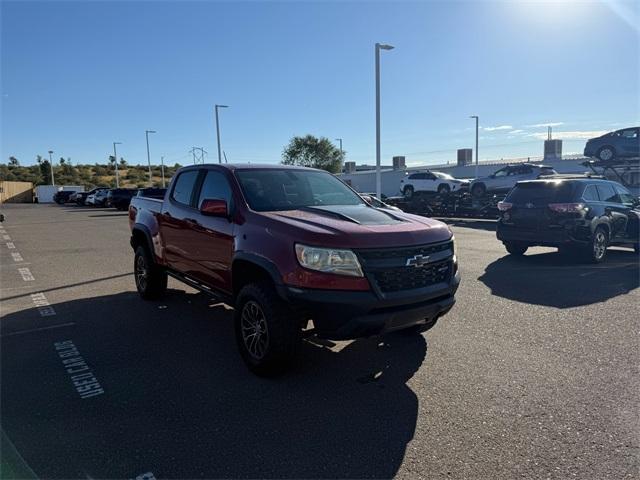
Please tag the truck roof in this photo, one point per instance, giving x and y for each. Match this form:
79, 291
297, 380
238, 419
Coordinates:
247, 166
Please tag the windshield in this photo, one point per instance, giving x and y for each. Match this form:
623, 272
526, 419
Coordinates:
288, 189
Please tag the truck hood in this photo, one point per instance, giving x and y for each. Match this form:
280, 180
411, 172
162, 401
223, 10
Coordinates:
358, 226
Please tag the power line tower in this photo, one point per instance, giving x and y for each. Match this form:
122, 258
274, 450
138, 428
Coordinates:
198, 154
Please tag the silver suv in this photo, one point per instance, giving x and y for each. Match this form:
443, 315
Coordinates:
505, 179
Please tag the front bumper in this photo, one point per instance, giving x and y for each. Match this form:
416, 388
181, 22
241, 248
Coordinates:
344, 315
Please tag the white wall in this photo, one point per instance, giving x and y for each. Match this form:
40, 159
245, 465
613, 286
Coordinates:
45, 193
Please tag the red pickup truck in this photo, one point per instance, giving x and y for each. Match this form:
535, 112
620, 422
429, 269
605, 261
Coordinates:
289, 245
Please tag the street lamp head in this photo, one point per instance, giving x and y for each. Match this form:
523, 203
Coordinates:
50, 152
150, 131
117, 143
384, 46
222, 106
473, 116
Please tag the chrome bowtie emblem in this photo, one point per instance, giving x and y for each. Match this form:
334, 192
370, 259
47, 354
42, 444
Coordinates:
417, 261
528, 205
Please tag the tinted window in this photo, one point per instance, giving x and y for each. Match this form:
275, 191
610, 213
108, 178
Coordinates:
215, 186
591, 194
631, 133
607, 194
184, 187
417, 176
624, 195
541, 193
270, 189
501, 173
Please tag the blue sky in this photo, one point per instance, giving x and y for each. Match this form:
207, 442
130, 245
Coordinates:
77, 76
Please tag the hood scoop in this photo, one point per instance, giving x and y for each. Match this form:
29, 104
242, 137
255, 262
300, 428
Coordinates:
359, 214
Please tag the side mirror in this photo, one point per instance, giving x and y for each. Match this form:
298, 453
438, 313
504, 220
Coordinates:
214, 207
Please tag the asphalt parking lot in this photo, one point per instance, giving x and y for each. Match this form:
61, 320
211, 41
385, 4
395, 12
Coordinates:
534, 373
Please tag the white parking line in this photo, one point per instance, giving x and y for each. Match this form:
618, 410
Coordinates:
83, 380
60, 325
10, 245
27, 276
17, 257
6, 237
43, 305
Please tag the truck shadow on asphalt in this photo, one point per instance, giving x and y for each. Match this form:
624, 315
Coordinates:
179, 401
560, 281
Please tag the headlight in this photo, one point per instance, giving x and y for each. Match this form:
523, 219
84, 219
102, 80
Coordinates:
329, 260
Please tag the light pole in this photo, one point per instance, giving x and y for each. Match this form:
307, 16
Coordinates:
115, 157
378, 178
146, 133
218, 131
477, 120
53, 180
340, 140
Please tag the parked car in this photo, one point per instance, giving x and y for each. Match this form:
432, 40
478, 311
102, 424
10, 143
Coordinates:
120, 198
152, 192
62, 196
83, 197
584, 215
286, 244
504, 179
618, 144
431, 182
98, 198
73, 198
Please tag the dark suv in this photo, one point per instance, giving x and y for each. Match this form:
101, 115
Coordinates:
573, 214
119, 198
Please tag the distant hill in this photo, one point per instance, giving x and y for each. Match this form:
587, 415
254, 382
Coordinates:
90, 176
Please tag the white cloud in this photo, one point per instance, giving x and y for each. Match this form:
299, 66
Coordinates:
516, 131
500, 127
571, 135
548, 124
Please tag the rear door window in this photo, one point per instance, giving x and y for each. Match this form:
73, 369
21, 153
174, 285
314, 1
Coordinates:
541, 193
607, 193
184, 187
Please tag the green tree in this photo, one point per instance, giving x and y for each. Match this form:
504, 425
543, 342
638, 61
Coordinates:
310, 151
13, 162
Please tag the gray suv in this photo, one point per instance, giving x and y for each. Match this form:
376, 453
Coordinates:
505, 179
621, 143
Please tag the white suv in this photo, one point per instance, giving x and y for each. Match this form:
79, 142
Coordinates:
505, 179
430, 182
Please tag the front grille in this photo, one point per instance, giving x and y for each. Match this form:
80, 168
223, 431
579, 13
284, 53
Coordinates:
409, 278
387, 267
406, 252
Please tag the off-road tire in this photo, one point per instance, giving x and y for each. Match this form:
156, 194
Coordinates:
516, 248
151, 279
275, 351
